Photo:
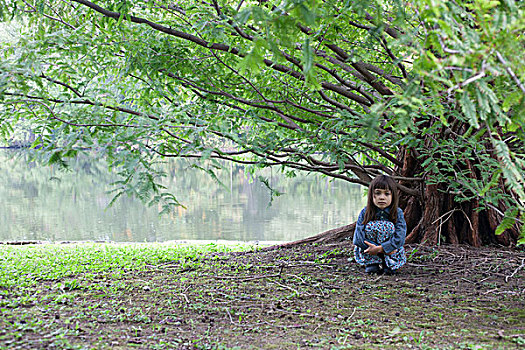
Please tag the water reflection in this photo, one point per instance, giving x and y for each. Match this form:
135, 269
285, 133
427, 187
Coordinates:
42, 203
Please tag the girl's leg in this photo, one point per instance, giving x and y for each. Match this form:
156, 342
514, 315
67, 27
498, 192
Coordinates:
371, 235
385, 230
365, 259
396, 260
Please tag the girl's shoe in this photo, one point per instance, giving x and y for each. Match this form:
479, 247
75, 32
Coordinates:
372, 268
389, 271
386, 270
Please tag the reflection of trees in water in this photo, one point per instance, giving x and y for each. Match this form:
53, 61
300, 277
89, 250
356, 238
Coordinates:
243, 207
41, 202
45, 203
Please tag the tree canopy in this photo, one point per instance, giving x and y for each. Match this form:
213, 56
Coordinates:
428, 91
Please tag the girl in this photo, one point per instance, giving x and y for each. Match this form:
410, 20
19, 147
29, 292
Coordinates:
380, 231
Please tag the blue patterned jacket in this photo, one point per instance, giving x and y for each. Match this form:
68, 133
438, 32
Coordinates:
397, 240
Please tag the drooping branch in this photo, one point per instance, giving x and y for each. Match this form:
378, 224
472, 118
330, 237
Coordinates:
159, 27
56, 19
257, 104
367, 77
87, 102
343, 57
67, 86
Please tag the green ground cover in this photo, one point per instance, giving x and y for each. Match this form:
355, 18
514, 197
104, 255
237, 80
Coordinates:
176, 296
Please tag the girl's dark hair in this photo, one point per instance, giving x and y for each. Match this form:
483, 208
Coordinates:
383, 182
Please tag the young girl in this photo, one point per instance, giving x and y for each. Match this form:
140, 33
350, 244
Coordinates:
380, 231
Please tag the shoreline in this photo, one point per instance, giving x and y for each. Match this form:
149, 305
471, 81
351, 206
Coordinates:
181, 242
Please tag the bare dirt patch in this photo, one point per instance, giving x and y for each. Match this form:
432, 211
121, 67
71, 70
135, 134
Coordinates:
307, 297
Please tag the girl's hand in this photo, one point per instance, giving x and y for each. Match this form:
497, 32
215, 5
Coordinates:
392, 252
373, 249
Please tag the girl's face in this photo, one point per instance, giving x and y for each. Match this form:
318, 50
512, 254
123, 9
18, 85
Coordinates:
382, 198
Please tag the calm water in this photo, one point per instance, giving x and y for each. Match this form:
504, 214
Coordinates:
43, 203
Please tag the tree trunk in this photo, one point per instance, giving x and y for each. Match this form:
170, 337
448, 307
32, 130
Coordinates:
339, 234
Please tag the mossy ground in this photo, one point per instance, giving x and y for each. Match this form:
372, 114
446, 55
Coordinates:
307, 297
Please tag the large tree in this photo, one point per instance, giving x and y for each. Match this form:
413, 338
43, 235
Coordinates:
428, 91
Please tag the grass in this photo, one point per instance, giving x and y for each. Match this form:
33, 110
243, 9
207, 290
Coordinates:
177, 296
26, 266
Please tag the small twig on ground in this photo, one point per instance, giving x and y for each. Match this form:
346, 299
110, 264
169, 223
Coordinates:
321, 290
246, 278
490, 291
291, 326
287, 287
515, 271
230, 315
416, 265
281, 271
464, 279
313, 264
353, 312
483, 280
299, 278
185, 297
300, 314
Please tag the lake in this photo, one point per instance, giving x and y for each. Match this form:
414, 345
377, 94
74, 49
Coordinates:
45, 204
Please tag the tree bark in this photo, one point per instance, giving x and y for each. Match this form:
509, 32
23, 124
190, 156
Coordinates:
432, 225
338, 234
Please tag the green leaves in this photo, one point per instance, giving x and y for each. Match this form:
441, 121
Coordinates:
469, 109
254, 60
508, 221
305, 11
308, 56
308, 64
